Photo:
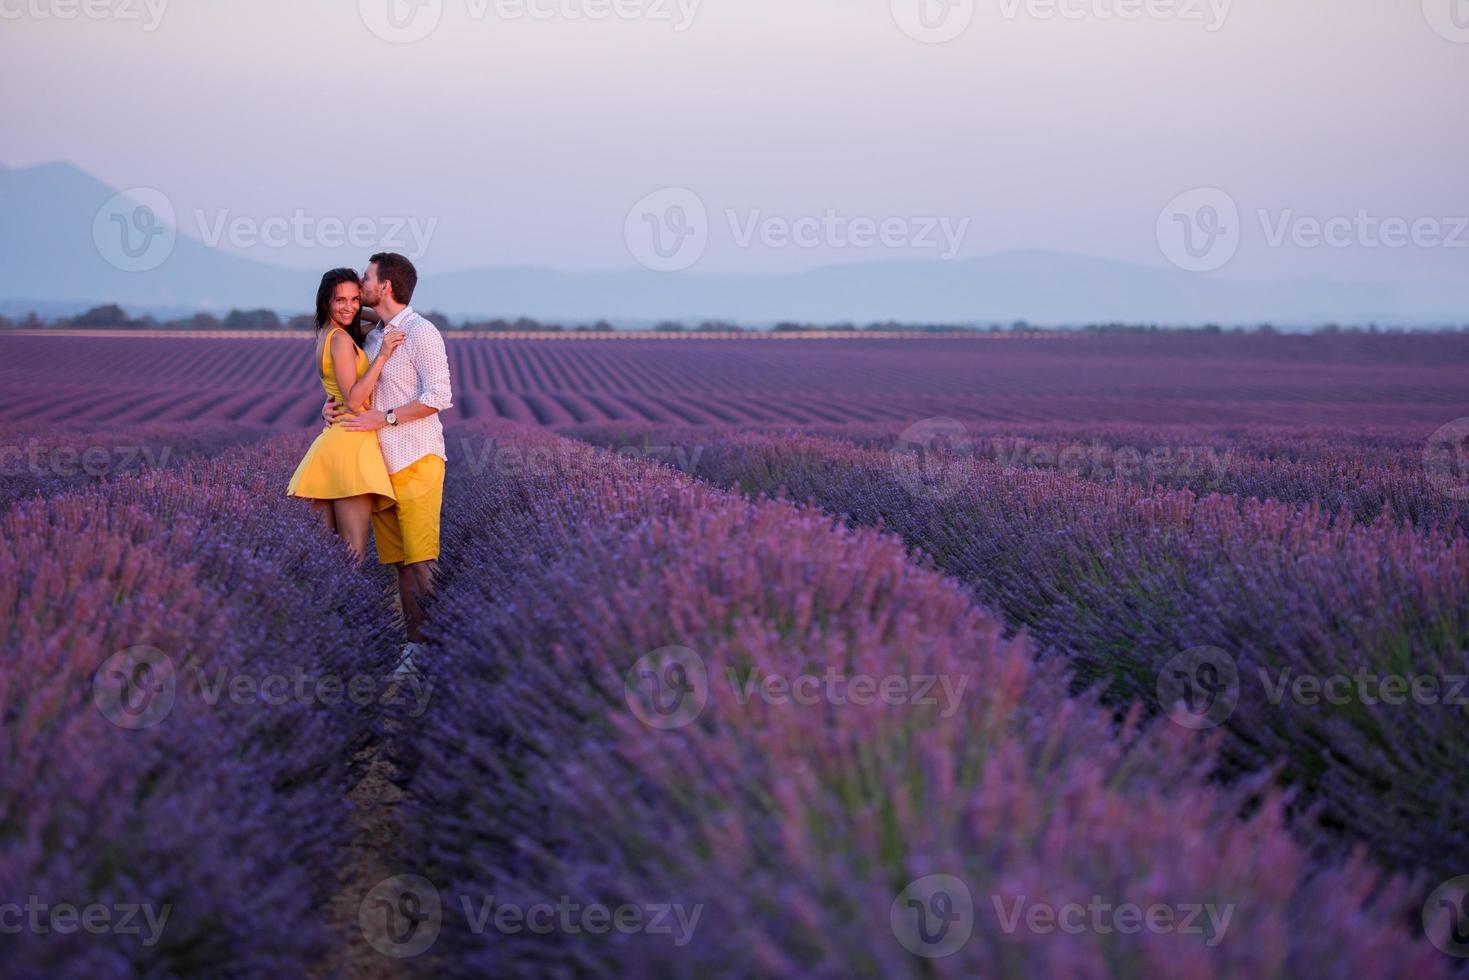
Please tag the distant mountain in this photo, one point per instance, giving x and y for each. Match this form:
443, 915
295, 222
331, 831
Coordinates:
1049, 288
51, 259
48, 253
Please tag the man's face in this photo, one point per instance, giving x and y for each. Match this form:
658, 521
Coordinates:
372, 286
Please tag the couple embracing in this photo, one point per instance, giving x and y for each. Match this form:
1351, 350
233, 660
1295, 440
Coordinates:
379, 463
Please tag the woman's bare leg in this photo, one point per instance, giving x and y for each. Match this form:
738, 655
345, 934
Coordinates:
323, 509
354, 521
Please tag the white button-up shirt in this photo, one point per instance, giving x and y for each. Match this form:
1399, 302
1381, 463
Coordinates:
417, 372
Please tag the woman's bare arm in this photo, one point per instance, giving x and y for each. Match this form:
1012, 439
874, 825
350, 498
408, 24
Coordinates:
357, 392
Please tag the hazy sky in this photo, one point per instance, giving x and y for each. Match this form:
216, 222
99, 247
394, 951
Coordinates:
1047, 124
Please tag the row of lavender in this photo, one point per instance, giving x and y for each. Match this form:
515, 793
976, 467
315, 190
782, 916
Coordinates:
624, 651
1334, 647
1383, 472
188, 666
40, 459
1345, 381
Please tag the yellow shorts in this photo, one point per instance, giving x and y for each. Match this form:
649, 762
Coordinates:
409, 532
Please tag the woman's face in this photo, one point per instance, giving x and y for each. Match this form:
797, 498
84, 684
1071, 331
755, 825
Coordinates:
346, 302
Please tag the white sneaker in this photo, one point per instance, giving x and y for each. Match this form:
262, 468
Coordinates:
406, 667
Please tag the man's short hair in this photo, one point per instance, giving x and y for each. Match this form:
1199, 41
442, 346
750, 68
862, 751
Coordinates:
396, 269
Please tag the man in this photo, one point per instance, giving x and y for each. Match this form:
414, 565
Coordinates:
413, 390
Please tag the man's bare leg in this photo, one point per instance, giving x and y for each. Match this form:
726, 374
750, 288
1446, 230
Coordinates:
414, 583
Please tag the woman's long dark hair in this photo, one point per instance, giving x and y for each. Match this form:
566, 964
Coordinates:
324, 294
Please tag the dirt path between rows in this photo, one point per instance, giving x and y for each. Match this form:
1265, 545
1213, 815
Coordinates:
376, 798
375, 829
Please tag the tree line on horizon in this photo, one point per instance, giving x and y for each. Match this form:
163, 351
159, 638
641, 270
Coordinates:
110, 316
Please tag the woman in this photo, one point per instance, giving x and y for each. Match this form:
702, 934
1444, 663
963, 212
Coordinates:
343, 473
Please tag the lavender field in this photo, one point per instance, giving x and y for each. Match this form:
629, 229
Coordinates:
1105, 655
1412, 383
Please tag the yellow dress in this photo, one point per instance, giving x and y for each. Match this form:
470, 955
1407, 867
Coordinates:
342, 463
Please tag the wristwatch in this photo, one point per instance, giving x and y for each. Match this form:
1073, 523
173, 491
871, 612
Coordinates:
392, 417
